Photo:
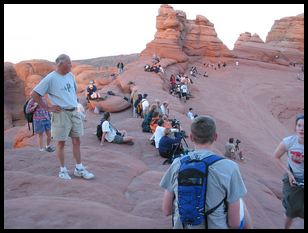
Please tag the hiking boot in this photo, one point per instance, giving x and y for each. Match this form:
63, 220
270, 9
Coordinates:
50, 149
83, 173
64, 175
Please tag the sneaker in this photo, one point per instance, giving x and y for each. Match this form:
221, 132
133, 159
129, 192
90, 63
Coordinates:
42, 149
83, 173
130, 143
50, 149
64, 175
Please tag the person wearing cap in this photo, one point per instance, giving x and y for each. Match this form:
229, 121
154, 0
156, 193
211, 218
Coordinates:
61, 87
92, 91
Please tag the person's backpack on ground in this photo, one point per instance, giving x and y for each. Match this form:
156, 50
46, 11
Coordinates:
192, 188
28, 116
99, 131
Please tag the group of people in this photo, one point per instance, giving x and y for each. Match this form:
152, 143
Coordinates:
224, 184
232, 149
180, 86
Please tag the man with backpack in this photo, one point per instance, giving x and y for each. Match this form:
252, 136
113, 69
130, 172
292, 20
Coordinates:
203, 190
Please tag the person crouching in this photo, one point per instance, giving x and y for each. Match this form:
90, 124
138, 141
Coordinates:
168, 146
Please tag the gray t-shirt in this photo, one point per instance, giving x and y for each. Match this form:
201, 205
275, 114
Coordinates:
295, 155
224, 179
61, 89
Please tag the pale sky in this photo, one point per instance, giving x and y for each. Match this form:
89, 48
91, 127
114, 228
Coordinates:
43, 31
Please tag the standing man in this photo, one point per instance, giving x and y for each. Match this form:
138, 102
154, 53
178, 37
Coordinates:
120, 67
224, 185
60, 85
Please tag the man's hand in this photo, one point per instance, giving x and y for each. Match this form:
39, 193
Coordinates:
54, 108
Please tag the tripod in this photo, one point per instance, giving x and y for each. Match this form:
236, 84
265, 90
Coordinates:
176, 151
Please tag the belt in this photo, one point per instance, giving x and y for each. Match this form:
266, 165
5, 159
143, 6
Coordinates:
70, 109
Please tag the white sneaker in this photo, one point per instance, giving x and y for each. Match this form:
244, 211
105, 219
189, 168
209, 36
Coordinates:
64, 175
83, 173
42, 149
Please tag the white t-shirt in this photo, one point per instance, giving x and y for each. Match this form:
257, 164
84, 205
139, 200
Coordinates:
295, 155
190, 115
145, 105
164, 110
184, 88
111, 132
159, 133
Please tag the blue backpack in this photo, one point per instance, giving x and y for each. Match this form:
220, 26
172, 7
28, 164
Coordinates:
192, 187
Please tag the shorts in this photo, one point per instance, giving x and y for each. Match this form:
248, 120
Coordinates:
66, 124
118, 139
292, 199
40, 126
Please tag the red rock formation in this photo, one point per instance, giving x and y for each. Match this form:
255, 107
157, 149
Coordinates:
284, 43
177, 37
287, 33
201, 39
14, 94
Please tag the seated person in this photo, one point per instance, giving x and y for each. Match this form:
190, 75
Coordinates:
154, 120
111, 134
160, 132
81, 110
230, 149
169, 146
147, 68
148, 118
92, 93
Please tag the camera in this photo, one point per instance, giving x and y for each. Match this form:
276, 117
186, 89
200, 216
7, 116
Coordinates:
175, 123
237, 141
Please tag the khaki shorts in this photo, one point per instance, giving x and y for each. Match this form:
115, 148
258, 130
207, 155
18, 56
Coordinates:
292, 199
66, 124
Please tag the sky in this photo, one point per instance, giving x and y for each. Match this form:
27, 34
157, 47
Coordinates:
84, 31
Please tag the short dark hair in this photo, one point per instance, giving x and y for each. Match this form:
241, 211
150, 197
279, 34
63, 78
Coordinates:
106, 115
231, 140
299, 117
61, 58
203, 129
160, 122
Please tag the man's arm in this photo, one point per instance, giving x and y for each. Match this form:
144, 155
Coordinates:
37, 98
234, 214
103, 138
167, 203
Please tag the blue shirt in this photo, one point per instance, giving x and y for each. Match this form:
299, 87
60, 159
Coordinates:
61, 89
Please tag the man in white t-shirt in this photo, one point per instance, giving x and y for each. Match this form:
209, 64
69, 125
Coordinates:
145, 104
190, 115
111, 134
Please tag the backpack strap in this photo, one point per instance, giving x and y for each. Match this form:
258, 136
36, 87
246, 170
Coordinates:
209, 161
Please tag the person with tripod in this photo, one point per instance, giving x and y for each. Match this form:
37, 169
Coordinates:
170, 146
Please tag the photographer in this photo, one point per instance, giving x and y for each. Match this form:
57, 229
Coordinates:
168, 146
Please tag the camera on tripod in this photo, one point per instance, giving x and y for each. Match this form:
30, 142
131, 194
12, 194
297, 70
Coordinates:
175, 123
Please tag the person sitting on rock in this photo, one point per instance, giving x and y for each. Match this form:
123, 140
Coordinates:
111, 134
92, 93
